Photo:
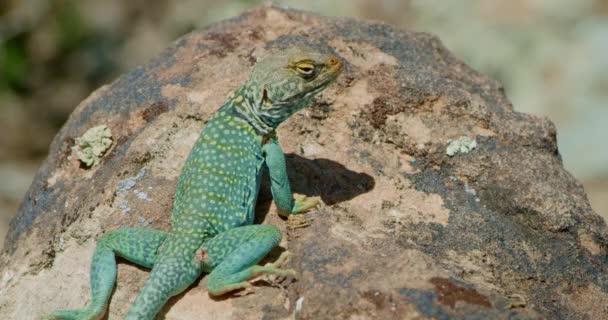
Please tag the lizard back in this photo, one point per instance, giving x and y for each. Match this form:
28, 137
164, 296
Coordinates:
218, 186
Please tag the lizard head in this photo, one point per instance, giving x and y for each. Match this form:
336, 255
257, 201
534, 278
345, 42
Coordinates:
286, 82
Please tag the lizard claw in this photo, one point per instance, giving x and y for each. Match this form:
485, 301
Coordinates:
246, 290
277, 275
296, 221
280, 260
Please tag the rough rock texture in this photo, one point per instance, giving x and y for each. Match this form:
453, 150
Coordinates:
407, 232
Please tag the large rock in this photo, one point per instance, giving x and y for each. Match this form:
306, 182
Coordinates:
502, 231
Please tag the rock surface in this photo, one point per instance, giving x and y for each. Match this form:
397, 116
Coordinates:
407, 232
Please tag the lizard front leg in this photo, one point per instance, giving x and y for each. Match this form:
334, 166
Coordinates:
279, 182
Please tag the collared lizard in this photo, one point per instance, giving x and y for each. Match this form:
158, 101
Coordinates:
212, 228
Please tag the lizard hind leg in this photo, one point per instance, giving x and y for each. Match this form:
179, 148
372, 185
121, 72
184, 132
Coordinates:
138, 245
175, 269
234, 255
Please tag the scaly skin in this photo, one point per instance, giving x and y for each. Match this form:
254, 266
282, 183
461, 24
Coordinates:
213, 210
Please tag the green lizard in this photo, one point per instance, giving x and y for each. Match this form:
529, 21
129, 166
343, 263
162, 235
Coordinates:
214, 204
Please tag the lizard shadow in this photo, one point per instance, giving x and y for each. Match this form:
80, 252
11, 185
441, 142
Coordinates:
328, 179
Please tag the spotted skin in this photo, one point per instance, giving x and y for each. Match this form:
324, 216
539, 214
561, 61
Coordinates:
213, 211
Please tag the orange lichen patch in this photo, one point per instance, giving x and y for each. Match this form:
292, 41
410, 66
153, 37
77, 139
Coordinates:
449, 294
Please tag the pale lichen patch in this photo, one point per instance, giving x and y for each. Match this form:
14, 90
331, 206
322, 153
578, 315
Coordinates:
463, 145
93, 144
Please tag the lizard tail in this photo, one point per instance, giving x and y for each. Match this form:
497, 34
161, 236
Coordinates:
171, 274
76, 314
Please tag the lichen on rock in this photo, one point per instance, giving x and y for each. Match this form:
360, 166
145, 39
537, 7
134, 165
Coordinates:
463, 144
91, 146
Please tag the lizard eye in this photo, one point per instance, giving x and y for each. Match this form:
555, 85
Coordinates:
306, 70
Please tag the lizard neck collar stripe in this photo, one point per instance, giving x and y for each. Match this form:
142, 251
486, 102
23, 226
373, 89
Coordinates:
248, 112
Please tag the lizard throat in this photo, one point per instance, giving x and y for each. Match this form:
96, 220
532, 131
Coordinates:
248, 112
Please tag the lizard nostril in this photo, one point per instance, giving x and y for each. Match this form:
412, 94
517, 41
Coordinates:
333, 60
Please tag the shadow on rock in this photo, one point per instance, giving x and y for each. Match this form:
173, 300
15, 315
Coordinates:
330, 180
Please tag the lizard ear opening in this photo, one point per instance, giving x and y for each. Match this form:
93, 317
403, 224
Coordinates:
265, 100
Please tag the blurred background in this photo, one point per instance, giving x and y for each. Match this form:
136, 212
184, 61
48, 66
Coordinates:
551, 56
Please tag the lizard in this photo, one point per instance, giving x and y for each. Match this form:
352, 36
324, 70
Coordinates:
212, 228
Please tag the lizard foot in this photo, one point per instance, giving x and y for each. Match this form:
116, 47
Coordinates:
246, 289
296, 221
240, 289
304, 203
280, 275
